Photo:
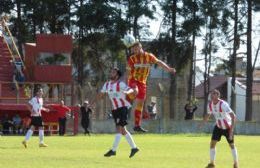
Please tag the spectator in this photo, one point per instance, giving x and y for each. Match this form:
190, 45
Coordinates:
26, 121
18, 75
17, 124
85, 111
62, 112
189, 109
7, 124
152, 110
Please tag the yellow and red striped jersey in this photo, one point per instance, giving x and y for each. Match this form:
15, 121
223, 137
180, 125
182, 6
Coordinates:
140, 65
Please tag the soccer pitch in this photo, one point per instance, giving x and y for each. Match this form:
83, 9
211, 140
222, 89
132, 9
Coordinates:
156, 150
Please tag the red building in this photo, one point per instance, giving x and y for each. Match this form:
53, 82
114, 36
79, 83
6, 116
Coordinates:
47, 63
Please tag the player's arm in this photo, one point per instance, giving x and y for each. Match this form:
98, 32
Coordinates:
233, 121
205, 119
45, 109
30, 107
164, 66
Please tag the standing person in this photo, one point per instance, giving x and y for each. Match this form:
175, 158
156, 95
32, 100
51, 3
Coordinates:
62, 111
17, 124
117, 91
225, 123
85, 111
139, 64
152, 110
36, 106
189, 109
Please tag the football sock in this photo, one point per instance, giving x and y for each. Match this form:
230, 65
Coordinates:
130, 140
234, 154
116, 142
138, 113
212, 155
28, 134
41, 135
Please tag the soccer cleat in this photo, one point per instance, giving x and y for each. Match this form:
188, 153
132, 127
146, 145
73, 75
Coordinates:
235, 166
133, 152
110, 153
139, 129
24, 144
210, 165
43, 145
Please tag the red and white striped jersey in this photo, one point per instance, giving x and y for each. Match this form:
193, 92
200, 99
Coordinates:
115, 93
221, 112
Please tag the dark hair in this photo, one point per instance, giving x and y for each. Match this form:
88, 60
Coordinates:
119, 73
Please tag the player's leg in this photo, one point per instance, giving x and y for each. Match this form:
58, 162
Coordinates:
28, 136
140, 99
138, 114
212, 151
41, 137
39, 123
230, 140
112, 152
130, 141
122, 126
216, 136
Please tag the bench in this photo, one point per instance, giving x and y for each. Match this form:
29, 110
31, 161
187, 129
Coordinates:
51, 127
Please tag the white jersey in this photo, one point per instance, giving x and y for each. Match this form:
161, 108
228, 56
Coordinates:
221, 112
37, 105
115, 93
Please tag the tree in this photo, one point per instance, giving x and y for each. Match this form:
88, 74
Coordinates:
211, 10
135, 9
249, 68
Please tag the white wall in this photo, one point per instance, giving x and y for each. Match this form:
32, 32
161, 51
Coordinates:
240, 99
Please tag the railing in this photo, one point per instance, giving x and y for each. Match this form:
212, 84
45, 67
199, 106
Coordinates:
54, 92
3, 21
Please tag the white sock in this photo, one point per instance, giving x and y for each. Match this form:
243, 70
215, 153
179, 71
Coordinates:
212, 155
234, 154
28, 134
130, 140
41, 135
116, 142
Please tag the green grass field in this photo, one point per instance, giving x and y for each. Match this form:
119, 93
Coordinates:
159, 151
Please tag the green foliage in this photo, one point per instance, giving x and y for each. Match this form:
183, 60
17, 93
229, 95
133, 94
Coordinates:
55, 59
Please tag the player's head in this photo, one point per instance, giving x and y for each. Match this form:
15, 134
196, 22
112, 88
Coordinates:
115, 74
62, 102
39, 92
136, 48
214, 94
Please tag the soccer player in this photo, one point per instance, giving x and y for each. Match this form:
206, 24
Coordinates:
35, 106
117, 91
225, 123
138, 68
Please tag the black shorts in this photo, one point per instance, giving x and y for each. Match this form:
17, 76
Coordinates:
36, 121
218, 132
120, 116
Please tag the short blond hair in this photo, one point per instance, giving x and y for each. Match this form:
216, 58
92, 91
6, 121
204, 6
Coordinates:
215, 91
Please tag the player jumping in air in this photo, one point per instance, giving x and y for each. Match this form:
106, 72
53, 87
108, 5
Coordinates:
225, 123
138, 68
117, 91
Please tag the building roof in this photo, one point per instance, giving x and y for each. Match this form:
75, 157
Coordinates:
215, 82
218, 81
